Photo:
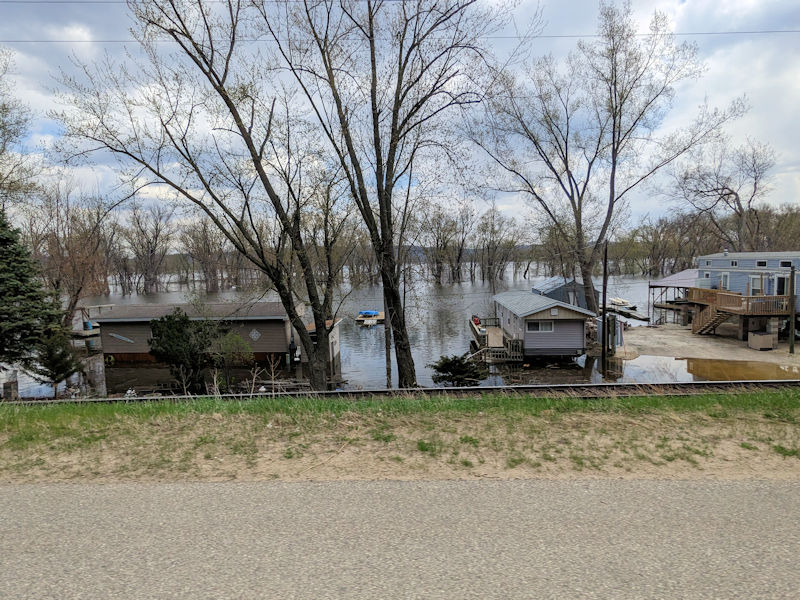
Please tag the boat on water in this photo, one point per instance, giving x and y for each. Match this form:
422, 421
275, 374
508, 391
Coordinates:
368, 318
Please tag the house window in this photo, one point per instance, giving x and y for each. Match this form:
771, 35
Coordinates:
755, 285
761, 263
786, 263
707, 275
540, 326
708, 263
734, 263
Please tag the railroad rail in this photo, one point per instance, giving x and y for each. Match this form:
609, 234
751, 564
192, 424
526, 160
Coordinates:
565, 390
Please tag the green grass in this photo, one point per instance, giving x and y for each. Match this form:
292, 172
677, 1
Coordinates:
85, 425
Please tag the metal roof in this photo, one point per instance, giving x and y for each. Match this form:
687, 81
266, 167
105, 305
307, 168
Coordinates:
553, 283
790, 254
229, 311
523, 303
684, 279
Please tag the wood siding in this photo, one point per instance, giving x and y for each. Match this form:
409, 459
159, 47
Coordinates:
568, 338
274, 336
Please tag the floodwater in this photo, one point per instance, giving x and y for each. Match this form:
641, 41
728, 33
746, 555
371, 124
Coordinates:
437, 317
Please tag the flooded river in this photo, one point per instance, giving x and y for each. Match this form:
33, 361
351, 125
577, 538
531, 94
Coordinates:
437, 319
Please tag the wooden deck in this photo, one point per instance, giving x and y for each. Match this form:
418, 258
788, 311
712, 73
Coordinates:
731, 302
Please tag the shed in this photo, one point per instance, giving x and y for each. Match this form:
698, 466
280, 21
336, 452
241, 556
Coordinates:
547, 327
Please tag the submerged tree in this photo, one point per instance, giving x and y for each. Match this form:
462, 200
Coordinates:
458, 371
578, 137
208, 119
380, 78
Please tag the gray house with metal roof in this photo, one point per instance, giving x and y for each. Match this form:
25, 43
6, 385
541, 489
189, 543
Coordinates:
545, 326
125, 328
571, 291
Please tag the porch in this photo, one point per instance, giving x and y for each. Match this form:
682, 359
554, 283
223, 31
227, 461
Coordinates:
493, 342
737, 304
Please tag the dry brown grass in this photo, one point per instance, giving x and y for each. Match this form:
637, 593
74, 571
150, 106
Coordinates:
357, 445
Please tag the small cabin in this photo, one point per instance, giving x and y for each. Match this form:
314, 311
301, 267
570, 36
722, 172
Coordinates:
546, 327
570, 291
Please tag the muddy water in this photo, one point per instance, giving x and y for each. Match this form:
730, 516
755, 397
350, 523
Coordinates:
437, 323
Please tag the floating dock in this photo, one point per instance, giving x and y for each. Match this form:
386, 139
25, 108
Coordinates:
367, 317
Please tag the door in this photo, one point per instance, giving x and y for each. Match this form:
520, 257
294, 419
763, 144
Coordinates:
781, 285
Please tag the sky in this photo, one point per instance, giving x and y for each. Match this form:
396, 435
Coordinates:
763, 66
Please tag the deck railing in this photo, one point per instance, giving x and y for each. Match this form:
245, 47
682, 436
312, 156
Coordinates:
741, 305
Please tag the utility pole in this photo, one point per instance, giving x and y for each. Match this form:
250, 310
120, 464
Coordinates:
791, 310
604, 336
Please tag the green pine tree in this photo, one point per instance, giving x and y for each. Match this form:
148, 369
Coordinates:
27, 311
185, 345
55, 358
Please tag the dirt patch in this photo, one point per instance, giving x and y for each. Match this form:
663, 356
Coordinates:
679, 342
213, 447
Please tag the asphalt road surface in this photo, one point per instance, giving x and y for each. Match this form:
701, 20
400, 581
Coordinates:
484, 539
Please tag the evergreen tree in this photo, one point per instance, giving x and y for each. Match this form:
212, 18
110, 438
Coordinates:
55, 358
27, 311
185, 346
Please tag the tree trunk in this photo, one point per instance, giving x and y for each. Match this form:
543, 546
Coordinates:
406, 374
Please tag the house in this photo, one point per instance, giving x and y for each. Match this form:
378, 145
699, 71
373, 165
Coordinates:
570, 291
537, 325
749, 287
125, 328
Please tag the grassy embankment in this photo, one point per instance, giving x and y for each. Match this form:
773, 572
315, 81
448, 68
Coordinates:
752, 434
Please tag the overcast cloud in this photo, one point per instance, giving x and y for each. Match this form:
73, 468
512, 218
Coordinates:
764, 66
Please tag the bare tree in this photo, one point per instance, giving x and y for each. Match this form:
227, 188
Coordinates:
206, 117
205, 248
16, 168
726, 181
67, 233
578, 137
149, 236
380, 78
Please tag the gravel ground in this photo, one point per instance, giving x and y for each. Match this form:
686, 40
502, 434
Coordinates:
478, 539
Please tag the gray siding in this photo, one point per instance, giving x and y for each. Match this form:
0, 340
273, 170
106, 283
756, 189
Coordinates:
567, 338
273, 336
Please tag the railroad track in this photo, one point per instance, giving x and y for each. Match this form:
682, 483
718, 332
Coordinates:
567, 390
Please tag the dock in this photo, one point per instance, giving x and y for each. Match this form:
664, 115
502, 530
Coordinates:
364, 319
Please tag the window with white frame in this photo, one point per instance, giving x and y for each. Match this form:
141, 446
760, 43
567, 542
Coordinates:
761, 263
707, 275
540, 326
786, 263
756, 289
708, 263
734, 263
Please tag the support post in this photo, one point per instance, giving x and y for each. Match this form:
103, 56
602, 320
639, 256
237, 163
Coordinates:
791, 310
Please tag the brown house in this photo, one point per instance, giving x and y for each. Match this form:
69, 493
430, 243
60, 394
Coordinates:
125, 328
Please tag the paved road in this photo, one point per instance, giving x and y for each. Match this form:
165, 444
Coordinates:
590, 539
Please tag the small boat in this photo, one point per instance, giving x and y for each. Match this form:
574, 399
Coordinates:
369, 317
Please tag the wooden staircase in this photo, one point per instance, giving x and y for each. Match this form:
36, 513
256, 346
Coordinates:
708, 319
